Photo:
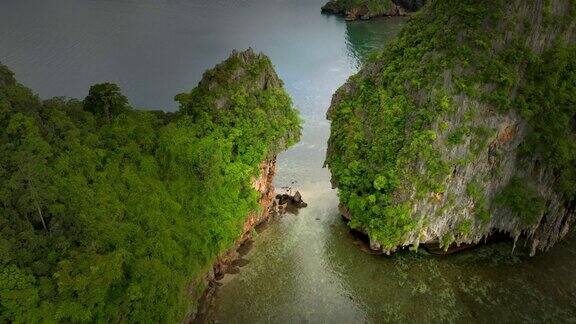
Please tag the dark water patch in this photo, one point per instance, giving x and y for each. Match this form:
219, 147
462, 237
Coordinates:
436, 248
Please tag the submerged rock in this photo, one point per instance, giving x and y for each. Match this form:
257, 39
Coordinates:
462, 128
245, 247
239, 263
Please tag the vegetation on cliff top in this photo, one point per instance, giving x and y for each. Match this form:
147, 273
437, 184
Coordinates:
365, 9
374, 6
397, 124
109, 214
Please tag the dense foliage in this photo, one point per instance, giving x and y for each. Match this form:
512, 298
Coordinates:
548, 102
522, 200
375, 7
394, 119
110, 214
364, 9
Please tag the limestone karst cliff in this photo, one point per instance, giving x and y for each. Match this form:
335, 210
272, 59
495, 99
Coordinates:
462, 127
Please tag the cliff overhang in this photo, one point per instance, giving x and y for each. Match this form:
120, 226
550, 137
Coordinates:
440, 140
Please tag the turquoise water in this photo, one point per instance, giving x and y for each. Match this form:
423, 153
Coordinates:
305, 267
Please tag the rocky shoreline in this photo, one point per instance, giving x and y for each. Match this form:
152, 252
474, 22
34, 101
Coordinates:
232, 260
225, 262
432, 247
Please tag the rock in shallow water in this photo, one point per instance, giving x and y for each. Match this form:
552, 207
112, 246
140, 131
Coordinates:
290, 202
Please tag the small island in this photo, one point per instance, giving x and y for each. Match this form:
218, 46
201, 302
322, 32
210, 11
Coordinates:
367, 9
461, 128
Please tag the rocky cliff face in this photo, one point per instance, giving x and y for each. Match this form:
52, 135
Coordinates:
245, 94
367, 9
248, 72
264, 185
463, 127
225, 261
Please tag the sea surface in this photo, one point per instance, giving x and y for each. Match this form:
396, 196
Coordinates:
303, 268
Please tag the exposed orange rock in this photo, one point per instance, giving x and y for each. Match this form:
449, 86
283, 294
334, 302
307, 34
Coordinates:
264, 185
